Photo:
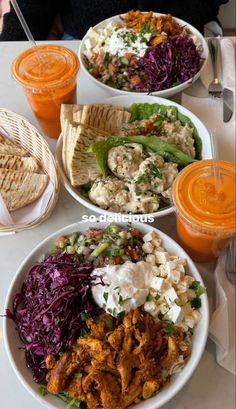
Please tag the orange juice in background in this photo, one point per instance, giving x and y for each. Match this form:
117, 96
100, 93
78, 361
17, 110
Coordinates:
205, 205
48, 77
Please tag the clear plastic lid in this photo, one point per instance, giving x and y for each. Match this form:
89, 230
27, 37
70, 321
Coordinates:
205, 202
50, 66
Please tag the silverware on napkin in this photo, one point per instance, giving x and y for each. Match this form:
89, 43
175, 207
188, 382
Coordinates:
228, 104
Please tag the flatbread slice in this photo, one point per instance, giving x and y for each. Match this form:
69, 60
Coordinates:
19, 189
9, 148
82, 165
13, 162
105, 118
66, 115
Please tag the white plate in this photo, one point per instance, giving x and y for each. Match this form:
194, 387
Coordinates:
164, 93
126, 101
12, 342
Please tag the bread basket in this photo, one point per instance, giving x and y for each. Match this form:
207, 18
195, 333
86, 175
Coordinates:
24, 134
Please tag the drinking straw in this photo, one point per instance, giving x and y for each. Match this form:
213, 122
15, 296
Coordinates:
23, 22
215, 162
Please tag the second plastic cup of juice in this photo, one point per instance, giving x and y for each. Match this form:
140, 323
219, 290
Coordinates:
48, 77
205, 204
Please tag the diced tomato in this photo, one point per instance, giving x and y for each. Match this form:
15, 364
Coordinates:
97, 59
135, 79
117, 260
129, 55
133, 254
133, 60
95, 234
134, 232
112, 68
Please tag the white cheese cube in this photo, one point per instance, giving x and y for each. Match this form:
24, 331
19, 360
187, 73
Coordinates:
170, 296
157, 243
161, 257
158, 283
175, 314
162, 270
147, 247
151, 307
150, 258
174, 276
150, 236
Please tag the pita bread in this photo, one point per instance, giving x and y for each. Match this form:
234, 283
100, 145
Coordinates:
66, 116
27, 164
82, 166
9, 148
19, 189
105, 118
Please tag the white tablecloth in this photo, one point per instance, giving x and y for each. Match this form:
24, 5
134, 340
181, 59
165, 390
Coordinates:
210, 386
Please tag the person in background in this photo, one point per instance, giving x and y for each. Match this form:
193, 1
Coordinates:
39, 15
70, 19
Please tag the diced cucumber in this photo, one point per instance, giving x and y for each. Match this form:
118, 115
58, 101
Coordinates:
80, 249
70, 250
124, 61
72, 238
100, 249
123, 234
112, 228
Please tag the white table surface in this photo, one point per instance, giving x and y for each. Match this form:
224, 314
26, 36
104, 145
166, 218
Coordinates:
211, 386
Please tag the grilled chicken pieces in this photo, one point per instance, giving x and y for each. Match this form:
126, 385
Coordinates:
117, 366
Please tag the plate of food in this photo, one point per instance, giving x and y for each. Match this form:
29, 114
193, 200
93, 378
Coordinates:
143, 52
106, 316
121, 156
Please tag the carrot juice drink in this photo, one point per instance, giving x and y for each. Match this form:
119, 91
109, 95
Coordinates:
205, 204
48, 77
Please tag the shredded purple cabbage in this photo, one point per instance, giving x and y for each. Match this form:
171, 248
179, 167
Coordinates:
171, 62
48, 309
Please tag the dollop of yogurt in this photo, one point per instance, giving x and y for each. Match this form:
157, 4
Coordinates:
126, 286
125, 41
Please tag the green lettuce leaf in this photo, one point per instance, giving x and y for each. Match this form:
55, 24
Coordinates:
168, 151
145, 110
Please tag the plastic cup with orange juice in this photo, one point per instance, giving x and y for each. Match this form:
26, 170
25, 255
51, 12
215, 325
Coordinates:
205, 204
48, 77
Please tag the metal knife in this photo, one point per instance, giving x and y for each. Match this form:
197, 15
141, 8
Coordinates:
228, 104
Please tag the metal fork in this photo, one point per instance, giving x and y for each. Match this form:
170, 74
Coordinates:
230, 261
215, 88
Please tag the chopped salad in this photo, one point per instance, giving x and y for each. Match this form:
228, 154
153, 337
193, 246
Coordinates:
75, 304
142, 53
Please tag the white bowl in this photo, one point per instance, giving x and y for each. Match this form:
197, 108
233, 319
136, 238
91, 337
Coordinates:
126, 101
164, 93
12, 341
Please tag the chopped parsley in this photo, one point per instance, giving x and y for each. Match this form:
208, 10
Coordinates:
105, 296
169, 329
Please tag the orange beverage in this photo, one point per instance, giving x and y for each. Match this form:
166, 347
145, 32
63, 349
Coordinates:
48, 77
205, 204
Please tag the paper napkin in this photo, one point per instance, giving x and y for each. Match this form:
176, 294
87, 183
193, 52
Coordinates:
222, 327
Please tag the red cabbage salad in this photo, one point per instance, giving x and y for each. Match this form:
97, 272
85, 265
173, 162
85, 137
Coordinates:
142, 53
100, 276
